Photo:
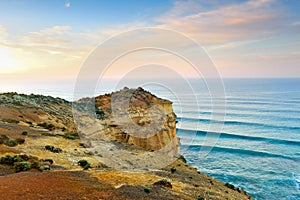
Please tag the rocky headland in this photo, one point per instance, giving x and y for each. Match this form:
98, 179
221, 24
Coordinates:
121, 145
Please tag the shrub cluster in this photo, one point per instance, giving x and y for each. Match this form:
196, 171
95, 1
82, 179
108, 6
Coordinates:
50, 127
163, 183
71, 136
21, 162
230, 186
24, 132
10, 142
53, 149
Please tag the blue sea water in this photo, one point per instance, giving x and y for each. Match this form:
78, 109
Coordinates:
258, 145
258, 148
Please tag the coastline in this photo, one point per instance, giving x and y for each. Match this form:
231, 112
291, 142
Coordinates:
182, 178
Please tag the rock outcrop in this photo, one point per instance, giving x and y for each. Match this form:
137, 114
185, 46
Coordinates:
137, 117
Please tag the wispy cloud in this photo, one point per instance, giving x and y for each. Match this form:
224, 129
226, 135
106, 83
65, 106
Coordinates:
54, 46
55, 30
239, 21
3, 33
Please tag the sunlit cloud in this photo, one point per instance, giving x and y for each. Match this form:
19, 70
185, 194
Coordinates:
55, 30
3, 33
239, 36
248, 20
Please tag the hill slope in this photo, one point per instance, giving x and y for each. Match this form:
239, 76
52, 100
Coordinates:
41, 132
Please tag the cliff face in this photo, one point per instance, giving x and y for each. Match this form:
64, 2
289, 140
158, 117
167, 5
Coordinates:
136, 117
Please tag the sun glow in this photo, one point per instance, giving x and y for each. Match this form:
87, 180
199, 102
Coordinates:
8, 63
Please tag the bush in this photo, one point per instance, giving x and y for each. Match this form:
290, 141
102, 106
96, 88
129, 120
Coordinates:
53, 149
84, 164
36, 165
87, 166
182, 158
48, 160
230, 186
163, 183
24, 132
21, 166
17, 158
26, 157
7, 160
47, 126
147, 189
71, 136
10, 143
46, 167
173, 170
201, 198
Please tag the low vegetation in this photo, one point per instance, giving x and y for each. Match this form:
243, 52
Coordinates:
71, 136
50, 127
84, 164
23, 162
147, 189
24, 132
163, 183
53, 149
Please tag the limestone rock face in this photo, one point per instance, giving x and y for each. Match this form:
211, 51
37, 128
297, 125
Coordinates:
137, 117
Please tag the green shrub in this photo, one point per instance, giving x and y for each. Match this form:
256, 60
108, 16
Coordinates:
21, 166
11, 121
46, 167
10, 143
182, 158
7, 160
201, 198
24, 132
36, 165
84, 164
230, 186
173, 170
47, 160
87, 166
17, 158
147, 189
24, 157
47, 126
163, 183
71, 136
53, 149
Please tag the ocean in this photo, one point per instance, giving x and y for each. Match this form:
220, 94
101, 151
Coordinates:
257, 145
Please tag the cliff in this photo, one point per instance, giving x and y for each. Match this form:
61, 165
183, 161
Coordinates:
135, 129
136, 117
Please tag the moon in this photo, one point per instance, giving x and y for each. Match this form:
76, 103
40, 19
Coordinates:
68, 4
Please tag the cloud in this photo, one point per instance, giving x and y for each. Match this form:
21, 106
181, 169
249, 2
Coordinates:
55, 30
3, 33
295, 23
53, 40
227, 23
56, 47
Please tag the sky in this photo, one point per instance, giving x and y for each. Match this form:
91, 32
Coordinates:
51, 39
